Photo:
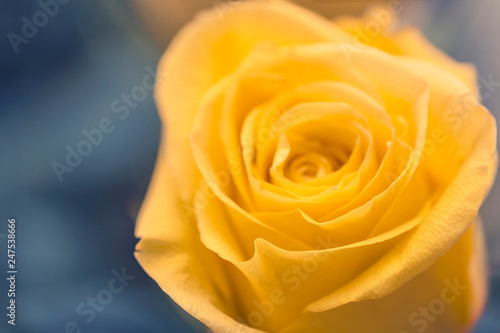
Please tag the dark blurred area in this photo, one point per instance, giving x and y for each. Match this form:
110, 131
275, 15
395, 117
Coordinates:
69, 81
71, 234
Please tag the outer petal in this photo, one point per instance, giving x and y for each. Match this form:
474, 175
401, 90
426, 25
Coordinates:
408, 41
170, 252
447, 297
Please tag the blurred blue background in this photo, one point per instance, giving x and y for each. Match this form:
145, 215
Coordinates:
72, 234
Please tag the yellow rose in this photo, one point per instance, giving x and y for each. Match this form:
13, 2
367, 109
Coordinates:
317, 176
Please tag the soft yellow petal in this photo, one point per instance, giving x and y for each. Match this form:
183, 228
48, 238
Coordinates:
171, 252
377, 28
447, 297
211, 47
444, 224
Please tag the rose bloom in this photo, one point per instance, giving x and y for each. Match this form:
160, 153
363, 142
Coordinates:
318, 176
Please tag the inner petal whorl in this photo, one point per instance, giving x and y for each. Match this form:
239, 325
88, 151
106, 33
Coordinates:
309, 166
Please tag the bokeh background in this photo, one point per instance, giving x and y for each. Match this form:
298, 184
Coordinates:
72, 234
